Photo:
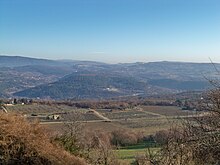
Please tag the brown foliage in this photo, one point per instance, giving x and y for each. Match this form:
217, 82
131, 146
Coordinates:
27, 143
119, 104
122, 137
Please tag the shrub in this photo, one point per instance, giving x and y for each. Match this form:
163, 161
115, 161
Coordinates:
124, 138
23, 143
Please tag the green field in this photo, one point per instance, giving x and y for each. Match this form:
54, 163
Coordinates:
128, 153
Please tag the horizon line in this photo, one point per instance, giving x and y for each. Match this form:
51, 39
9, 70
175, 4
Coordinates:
112, 63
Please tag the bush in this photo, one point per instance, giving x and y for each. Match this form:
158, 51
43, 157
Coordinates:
124, 138
23, 143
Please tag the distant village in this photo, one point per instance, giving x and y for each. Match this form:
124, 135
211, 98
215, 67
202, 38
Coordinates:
15, 101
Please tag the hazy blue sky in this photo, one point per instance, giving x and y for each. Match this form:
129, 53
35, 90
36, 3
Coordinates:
111, 30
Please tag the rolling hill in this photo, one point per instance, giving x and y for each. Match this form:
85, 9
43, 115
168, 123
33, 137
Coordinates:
86, 85
30, 77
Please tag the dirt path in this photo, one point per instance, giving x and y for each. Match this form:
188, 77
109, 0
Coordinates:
100, 115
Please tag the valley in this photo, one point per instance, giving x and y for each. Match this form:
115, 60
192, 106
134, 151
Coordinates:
49, 79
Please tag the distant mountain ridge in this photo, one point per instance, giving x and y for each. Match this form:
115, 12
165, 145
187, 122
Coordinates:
15, 61
61, 79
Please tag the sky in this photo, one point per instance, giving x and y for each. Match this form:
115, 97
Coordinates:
111, 31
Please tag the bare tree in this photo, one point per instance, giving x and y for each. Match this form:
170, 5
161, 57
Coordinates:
102, 153
73, 132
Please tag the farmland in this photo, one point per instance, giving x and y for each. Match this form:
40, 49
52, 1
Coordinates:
146, 120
